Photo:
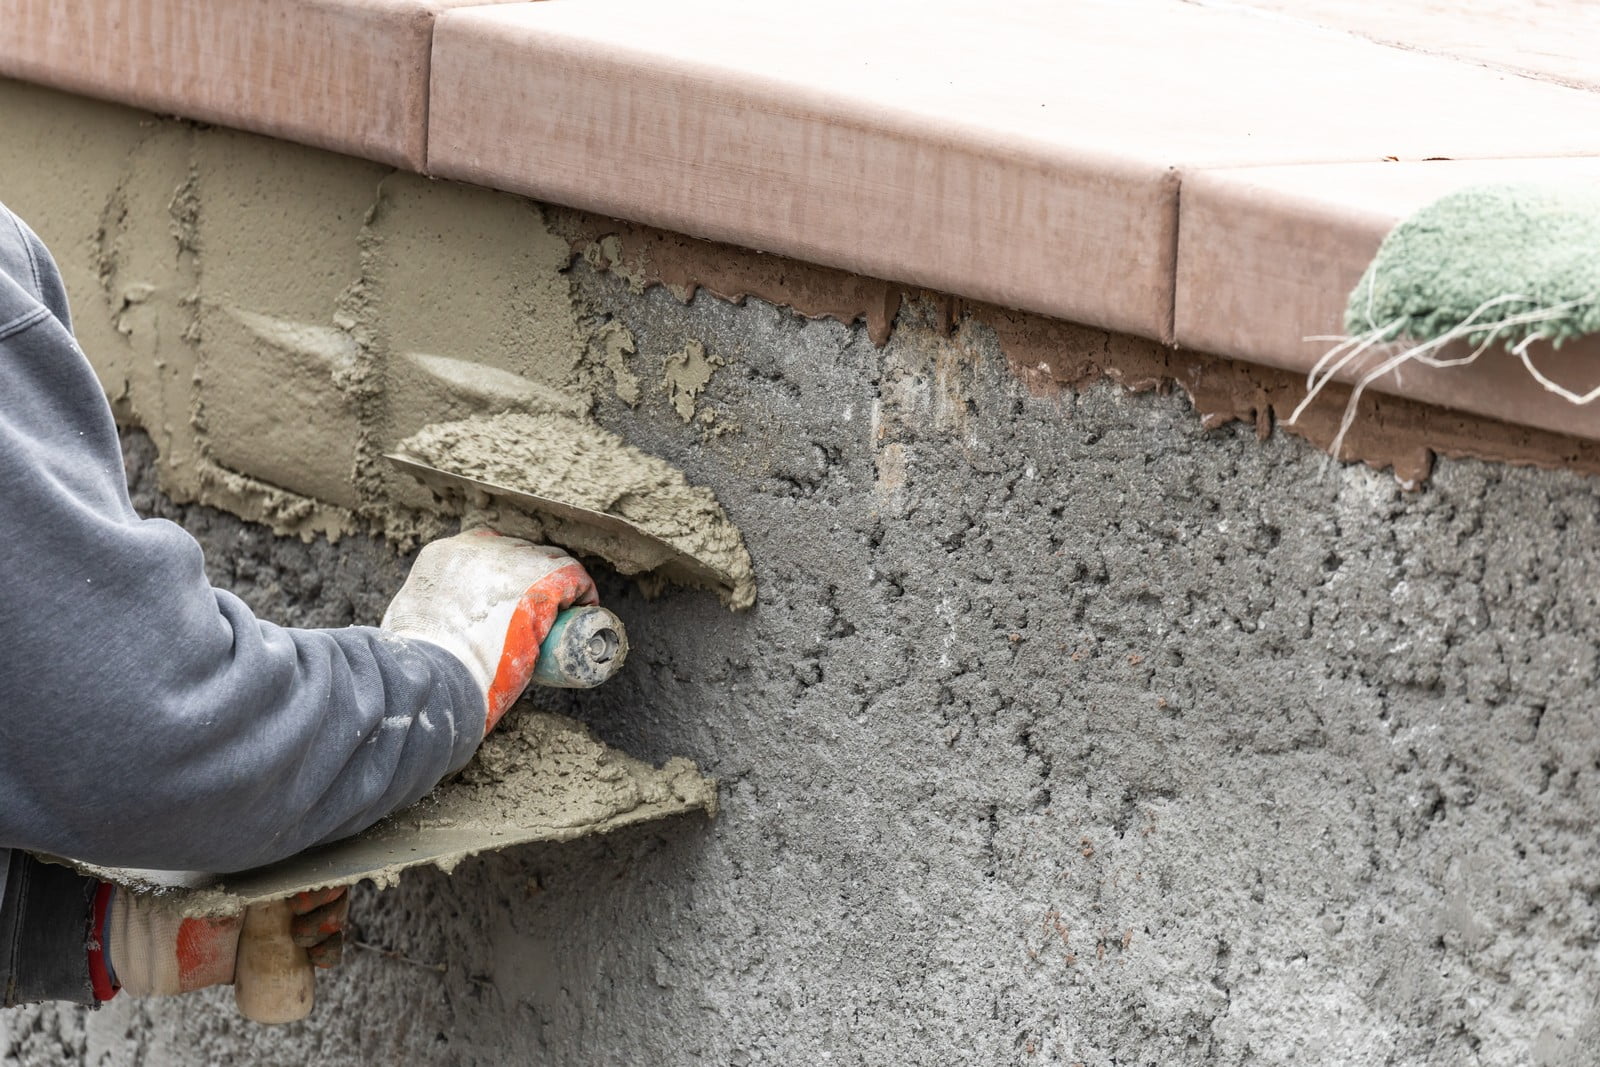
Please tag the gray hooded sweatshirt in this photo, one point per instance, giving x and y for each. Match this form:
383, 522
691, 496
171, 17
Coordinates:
146, 718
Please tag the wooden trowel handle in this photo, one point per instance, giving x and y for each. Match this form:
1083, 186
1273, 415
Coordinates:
273, 980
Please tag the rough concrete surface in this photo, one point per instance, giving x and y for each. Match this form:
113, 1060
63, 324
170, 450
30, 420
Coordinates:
1063, 730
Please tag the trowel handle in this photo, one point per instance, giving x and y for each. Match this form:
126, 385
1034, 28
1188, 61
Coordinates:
585, 646
273, 980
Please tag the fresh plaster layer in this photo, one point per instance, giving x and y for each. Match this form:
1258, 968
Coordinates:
279, 317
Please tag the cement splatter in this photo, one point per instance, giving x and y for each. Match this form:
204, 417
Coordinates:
687, 372
614, 344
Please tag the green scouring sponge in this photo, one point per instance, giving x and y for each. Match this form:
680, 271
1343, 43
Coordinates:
1489, 263
1485, 265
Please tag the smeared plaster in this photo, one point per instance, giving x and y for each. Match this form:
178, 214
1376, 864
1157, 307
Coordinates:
279, 317
615, 347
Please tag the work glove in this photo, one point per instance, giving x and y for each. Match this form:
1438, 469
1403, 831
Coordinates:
490, 601
146, 948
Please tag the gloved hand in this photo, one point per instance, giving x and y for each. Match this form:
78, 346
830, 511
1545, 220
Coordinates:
148, 949
490, 601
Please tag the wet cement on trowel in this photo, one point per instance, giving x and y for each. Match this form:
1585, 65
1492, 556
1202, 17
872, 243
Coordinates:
549, 766
575, 461
539, 777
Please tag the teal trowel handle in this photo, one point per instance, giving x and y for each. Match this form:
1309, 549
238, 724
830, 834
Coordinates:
585, 646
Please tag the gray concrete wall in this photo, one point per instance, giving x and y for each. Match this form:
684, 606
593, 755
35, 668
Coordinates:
1063, 731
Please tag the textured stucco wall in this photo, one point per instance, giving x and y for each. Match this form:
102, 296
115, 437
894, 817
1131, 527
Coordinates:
1063, 731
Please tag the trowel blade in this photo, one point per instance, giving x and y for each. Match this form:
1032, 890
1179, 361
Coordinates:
660, 554
569, 794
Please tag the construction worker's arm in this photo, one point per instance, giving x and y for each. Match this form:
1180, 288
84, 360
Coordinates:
488, 600
151, 720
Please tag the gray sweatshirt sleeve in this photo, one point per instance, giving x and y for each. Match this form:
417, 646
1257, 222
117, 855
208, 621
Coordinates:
149, 720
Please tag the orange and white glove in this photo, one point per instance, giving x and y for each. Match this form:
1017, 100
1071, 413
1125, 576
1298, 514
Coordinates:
490, 601
148, 949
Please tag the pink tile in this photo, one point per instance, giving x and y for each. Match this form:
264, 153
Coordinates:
348, 75
1553, 39
1267, 258
1024, 153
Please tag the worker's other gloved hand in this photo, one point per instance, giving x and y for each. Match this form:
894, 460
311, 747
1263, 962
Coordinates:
320, 917
149, 950
489, 600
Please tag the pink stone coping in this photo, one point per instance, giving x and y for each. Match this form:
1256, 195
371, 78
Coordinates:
1028, 153
1550, 39
1209, 174
346, 75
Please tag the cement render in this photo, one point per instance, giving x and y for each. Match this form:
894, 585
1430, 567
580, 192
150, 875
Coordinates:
1100, 739
1063, 731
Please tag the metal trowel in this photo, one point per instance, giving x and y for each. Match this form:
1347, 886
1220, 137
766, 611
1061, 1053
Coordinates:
576, 528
